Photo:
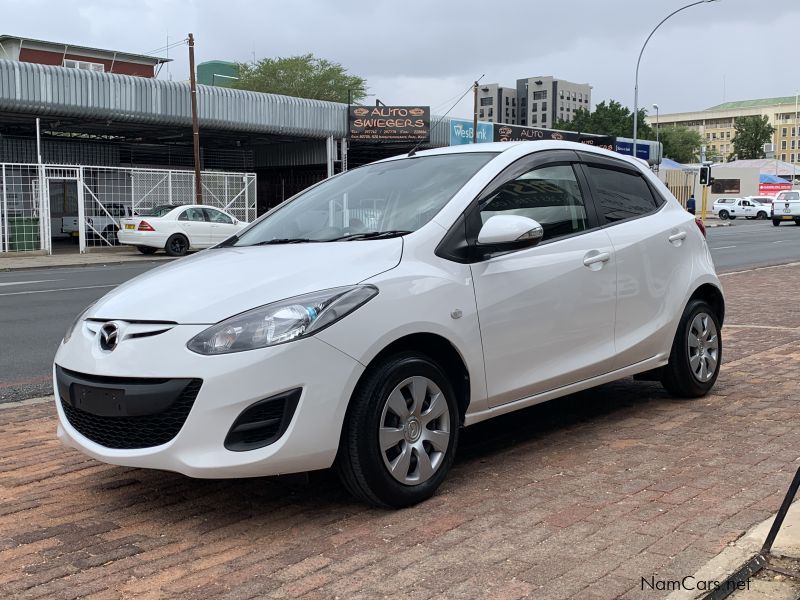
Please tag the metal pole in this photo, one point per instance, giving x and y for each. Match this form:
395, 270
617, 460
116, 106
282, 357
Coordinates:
198, 190
38, 143
636, 83
797, 148
6, 235
475, 113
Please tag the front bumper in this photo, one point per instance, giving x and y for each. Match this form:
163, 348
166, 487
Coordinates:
230, 384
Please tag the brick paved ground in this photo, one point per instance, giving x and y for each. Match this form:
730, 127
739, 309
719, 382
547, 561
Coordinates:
578, 498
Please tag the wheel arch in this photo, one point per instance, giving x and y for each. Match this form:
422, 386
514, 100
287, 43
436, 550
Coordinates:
713, 296
441, 351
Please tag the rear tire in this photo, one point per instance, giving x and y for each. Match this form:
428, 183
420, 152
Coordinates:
177, 245
110, 234
797, 221
724, 214
776, 222
400, 433
732, 218
696, 354
146, 249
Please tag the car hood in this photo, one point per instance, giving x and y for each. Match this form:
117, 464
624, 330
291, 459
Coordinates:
216, 284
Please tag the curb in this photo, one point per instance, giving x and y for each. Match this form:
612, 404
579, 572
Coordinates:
85, 264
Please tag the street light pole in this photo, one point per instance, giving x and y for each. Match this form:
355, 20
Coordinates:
658, 164
797, 131
636, 83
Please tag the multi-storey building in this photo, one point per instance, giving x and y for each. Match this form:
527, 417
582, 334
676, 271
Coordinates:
536, 101
716, 125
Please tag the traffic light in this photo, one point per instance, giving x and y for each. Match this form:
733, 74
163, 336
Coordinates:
705, 175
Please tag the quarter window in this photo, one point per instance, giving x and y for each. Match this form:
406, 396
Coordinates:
550, 195
621, 195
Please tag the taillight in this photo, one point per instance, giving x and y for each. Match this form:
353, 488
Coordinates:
145, 226
701, 227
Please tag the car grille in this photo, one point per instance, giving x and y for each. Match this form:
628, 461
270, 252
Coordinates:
131, 432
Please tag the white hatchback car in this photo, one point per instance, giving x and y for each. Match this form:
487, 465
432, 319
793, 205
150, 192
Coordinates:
490, 278
178, 229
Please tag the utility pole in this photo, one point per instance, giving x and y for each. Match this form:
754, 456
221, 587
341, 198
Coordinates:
198, 189
475, 113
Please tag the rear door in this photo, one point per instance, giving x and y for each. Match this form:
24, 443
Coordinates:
193, 223
653, 252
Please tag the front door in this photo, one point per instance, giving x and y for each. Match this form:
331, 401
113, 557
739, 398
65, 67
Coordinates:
222, 226
192, 222
547, 312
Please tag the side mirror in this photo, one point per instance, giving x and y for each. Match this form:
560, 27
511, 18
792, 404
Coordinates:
507, 232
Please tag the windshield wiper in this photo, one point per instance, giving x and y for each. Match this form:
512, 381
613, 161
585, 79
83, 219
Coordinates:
284, 241
370, 235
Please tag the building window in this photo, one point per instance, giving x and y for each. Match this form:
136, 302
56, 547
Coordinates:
491, 112
544, 106
480, 114
486, 101
506, 100
793, 131
513, 102
534, 119
783, 144
727, 135
793, 145
534, 106
561, 94
82, 64
783, 157
541, 95
544, 120
708, 136
783, 131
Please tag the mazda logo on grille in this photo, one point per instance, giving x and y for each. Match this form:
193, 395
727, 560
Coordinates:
109, 336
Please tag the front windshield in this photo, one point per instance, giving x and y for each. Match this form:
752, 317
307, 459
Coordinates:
156, 211
377, 200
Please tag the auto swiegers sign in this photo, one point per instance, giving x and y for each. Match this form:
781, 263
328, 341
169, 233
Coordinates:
390, 123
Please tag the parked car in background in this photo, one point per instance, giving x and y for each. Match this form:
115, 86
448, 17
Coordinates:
786, 207
482, 280
730, 208
102, 225
178, 229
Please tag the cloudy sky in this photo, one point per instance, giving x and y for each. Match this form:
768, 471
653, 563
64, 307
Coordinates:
428, 52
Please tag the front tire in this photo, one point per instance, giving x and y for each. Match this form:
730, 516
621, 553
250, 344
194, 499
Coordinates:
696, 354
177, 245
761, 216
400, 433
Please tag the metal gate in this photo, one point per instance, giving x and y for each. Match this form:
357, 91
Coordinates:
104, 196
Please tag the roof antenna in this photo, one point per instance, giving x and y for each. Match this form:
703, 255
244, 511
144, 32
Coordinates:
413, 151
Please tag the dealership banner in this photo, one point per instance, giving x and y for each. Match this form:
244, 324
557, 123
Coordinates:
390, 123
642, 149
516, 133
770, 189
461, 132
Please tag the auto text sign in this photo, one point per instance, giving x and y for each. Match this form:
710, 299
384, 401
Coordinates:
461, 132
516, 133
390, 123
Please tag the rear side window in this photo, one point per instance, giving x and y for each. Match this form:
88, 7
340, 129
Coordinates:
550, 195
620, 194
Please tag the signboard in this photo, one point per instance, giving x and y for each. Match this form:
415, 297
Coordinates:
642, 149
515, 133
390, 123
461, 132
770, 189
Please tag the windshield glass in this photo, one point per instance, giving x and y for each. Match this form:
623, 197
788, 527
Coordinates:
156, 211
390, 198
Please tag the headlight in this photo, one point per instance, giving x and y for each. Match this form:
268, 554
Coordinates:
78, 319
282, 321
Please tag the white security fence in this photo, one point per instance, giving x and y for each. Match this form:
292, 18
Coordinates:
87, 203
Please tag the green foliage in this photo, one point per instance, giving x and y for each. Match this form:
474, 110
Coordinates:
681, 144
608, 119
303, 76
751, 135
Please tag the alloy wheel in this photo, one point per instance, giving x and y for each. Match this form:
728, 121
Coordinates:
414, 431
703, 346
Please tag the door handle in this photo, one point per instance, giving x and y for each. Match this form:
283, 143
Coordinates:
677, 237
593, 259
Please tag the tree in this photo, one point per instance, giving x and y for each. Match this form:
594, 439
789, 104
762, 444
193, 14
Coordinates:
681, 143
303, 76
751, 133
608, 119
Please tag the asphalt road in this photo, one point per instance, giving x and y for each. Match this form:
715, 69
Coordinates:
748, 244
36, 306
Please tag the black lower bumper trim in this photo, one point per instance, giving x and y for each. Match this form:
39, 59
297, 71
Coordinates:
263, 422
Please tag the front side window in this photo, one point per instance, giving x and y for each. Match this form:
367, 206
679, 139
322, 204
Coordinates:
215, 216
390, 198
550, 195
192, 214
620, 194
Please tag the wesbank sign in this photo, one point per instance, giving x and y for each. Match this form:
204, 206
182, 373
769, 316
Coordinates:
461, 132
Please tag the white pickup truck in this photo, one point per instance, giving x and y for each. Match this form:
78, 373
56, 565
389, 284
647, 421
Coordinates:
100, 227
786, 207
